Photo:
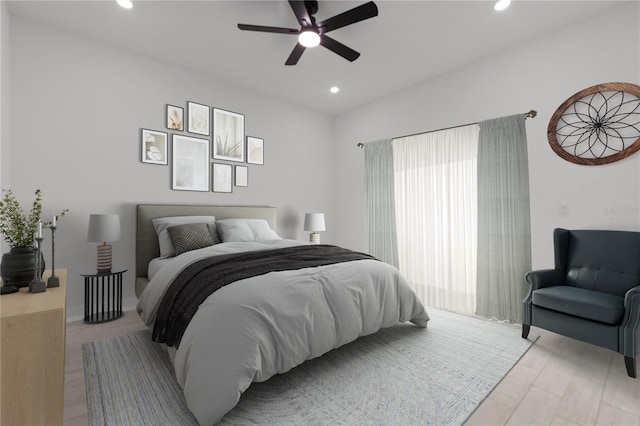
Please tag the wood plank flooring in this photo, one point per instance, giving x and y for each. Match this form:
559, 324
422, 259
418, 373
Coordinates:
560, 381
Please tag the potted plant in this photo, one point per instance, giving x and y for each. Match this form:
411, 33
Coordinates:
18, 230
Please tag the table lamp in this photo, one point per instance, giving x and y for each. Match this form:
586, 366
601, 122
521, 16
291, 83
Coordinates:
104, 228
314, 222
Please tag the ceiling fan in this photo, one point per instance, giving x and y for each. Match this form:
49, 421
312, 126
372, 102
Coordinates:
312, 33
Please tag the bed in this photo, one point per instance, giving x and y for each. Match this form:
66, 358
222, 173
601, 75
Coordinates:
254, 305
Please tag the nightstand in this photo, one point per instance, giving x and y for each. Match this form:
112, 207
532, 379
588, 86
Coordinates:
102, 296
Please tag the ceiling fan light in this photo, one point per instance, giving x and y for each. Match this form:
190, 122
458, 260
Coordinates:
309, 38
502, 4
125, 3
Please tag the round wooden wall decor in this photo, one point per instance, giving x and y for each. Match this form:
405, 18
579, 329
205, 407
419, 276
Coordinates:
597, 125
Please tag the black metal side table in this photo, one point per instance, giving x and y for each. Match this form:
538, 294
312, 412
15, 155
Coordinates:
102, 297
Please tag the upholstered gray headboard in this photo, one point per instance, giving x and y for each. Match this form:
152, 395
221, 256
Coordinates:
147, 242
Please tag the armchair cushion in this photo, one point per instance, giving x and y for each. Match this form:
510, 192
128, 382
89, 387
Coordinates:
592, 305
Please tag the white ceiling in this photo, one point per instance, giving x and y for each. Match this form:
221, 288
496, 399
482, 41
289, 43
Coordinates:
410, 41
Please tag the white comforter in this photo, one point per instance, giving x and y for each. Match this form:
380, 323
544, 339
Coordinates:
258, 327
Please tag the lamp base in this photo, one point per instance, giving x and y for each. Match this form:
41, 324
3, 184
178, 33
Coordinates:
314, 238
104, 259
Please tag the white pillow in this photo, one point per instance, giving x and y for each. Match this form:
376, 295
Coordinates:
245, 230
160, 225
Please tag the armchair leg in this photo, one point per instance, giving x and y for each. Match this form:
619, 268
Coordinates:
630, 363
525, 330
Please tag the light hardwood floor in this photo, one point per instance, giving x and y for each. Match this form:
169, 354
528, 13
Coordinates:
559, 381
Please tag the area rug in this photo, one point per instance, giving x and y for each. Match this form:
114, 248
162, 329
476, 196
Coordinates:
402, 375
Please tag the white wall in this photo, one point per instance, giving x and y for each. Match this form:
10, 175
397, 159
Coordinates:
4, 98
539, 75
77, 107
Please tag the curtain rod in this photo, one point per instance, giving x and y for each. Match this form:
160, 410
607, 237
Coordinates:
530, 114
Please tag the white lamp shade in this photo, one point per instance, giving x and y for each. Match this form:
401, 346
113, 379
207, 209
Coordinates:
103, 228
314, 222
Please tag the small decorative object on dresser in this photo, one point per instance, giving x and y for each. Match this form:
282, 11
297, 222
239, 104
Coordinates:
104, 228
53, 280
18, 230
314, 222
37, 285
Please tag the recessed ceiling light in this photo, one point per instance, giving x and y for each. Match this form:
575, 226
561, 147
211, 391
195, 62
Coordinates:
502, 4
334, 89
125, 3
309, 38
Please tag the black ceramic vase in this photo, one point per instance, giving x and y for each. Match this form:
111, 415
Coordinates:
18, 266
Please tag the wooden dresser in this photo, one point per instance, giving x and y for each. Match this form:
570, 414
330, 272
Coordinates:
32, 355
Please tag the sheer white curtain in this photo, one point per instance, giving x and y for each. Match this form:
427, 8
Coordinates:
436, 215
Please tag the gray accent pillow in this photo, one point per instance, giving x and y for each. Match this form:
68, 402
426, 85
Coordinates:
160, 225
191, 236
232, 230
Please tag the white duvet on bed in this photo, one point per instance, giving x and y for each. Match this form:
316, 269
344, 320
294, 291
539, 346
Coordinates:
255, 328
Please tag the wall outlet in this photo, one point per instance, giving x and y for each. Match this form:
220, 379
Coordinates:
563, 211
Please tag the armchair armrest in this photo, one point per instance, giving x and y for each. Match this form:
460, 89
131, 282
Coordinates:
544, 278
538, 279
631, 296
630, 326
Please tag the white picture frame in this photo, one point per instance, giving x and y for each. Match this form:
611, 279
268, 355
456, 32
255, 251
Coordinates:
198, 118
255, 150
242, 176
222, 177
154, 147
228, 135
175, 118
190, 164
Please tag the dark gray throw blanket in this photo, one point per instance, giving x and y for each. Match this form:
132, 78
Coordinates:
200, 279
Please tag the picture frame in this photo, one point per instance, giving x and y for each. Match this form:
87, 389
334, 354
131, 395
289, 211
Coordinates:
190, 160
255, 150
242, 176
228, 135
221, 177
154, 147
198, 118
175, 118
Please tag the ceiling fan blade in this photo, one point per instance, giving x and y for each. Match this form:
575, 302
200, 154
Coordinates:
301, 12
264, 29
339, 48
357, 14
295, 54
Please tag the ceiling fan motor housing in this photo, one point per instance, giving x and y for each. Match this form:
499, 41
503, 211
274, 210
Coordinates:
312, 6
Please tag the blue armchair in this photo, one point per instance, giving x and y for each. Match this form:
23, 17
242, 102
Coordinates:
593, 294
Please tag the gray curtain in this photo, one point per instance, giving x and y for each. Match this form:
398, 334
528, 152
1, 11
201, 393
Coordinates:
504, 225
381, 214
